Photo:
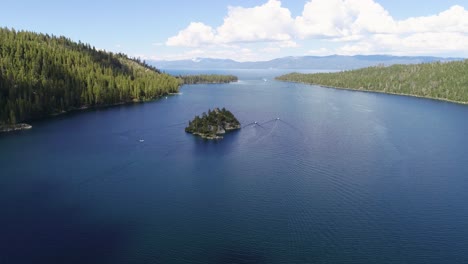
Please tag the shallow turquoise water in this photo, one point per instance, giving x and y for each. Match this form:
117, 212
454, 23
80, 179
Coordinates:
342, 177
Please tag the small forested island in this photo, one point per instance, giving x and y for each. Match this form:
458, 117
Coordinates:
214, 124
446, 81
43, 75
207, 79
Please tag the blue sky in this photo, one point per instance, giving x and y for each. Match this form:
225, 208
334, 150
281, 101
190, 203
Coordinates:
251, 29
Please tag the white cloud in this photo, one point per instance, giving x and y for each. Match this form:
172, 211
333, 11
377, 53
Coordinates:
350, 26
441, 34
320, 52
288, 44
196, 34
267, 23
454, 19
341, 18
414, 44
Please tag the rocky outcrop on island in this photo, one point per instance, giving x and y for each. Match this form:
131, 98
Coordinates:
214, 124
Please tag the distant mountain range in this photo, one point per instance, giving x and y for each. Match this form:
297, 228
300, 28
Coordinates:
333, 62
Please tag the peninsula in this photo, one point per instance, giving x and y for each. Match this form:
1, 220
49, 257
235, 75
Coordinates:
207, 79
214, 124
445, 81
43, 75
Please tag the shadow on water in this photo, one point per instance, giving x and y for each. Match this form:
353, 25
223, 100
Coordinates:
41, 227
240, 256
216, 147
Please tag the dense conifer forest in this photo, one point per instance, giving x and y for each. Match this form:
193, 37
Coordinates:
42, 75
443, 81
213, 123
207, 78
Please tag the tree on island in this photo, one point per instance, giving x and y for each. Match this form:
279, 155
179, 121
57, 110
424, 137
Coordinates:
213, 124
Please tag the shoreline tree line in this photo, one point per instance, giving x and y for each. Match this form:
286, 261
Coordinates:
438, 80
41, 75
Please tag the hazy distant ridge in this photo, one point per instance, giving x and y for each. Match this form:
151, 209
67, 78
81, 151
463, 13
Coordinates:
333, 62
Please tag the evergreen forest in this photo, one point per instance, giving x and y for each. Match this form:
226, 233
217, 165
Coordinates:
41, 75
207, 78
439, 80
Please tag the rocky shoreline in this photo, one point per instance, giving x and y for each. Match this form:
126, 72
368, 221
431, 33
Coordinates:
221, 131
15, 127
24, 126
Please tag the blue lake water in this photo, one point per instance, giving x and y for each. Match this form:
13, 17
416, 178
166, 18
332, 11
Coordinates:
342, 177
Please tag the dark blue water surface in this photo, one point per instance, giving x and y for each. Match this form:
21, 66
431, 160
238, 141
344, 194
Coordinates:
342, 177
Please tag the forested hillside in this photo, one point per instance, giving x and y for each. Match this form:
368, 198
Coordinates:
444, 81
42, 75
